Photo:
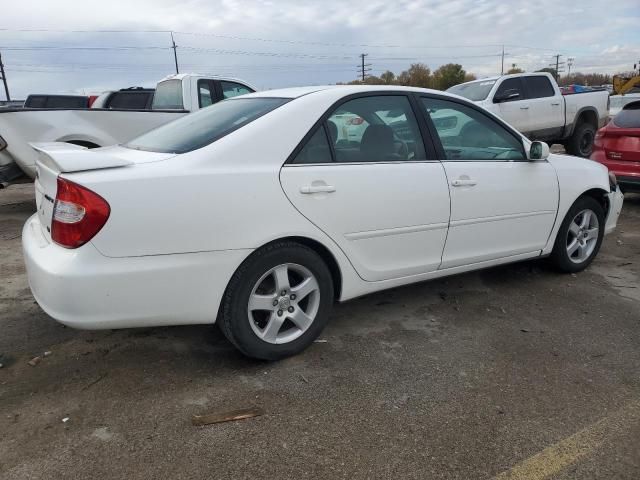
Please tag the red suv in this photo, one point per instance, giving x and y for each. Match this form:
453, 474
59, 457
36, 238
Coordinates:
617, 146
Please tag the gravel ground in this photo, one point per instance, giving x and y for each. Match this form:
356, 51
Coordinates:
515, 372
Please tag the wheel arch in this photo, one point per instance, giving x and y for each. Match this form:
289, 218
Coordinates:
586, 115
599, 195
325, 254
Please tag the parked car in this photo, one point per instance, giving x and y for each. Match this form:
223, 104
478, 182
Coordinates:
132, 98
617, 146
619, 101
57, 101
533, 103
175, 96
252, 212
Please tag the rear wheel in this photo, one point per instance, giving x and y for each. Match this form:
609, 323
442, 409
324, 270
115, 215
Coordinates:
580, 236
581, 142
277, 302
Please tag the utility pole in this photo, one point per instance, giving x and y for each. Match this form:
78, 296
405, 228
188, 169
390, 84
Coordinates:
502, 68
364, 67
570, 61
558, 66
175, 53
4, 79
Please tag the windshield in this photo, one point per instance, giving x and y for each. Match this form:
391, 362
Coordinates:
168, 96
474, 91
620, 101
205, 126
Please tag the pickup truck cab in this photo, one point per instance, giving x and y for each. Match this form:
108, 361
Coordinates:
534, 105
175, 96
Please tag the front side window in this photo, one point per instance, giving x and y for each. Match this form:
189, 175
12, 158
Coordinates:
168, 96
375, 129
509, 90
205, 126
233, 89
468, 134
538, 87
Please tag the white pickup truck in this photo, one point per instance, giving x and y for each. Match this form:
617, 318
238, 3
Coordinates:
174, 97
534, 105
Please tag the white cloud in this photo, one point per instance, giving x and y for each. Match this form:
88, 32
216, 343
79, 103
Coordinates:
601, 38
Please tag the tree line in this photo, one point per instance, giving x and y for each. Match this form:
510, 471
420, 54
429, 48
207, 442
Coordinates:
446, 76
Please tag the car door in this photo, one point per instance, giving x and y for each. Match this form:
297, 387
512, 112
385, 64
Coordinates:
514, 111
363, 176
502, 205
546, 115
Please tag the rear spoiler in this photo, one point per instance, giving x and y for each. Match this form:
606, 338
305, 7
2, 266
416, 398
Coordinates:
66, 157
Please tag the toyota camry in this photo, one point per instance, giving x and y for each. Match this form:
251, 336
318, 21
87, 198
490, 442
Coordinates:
261, 211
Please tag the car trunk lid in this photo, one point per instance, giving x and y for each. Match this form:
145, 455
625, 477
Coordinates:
622, 144
59, 158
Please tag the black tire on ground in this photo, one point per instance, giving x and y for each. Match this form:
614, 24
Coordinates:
234, 317
580, 143
559, 256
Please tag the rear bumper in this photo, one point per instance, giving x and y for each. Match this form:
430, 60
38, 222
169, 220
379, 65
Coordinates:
84, 289
616, 199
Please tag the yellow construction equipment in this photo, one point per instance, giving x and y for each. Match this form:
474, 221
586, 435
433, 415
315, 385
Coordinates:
625, 83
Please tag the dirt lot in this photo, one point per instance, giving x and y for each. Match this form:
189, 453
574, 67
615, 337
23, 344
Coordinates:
516, 371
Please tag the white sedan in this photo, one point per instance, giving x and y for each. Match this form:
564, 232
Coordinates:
256, 213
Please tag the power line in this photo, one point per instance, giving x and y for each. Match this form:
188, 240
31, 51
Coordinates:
364, 67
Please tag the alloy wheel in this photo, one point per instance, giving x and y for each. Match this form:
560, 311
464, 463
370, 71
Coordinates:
582, 236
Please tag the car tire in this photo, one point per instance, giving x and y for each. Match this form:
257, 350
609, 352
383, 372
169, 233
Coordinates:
580, 143
577, 243
260, 312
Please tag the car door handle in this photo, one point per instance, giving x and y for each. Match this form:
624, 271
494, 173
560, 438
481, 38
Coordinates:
308, 189
464, 182
555, 104
525, 107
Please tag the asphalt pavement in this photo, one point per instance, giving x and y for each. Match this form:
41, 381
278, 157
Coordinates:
514, 372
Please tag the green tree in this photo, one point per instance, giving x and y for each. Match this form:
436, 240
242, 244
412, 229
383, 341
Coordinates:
513, 70
388, 77
418, 75
448, 75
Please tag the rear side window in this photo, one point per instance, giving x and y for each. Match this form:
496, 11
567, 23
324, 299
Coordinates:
233, 89
205, 126
129, 100
316, 150
629, 117
510, 85
68, 102
538, 87
36, 101
206, 93
168, 96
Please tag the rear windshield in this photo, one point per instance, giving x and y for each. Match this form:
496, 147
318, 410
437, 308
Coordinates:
205, 126
474, 91
629, 117
168, 96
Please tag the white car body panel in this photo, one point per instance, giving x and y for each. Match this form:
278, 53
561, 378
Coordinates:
386, 232
181, 225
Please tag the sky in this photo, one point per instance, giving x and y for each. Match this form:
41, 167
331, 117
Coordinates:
68, 46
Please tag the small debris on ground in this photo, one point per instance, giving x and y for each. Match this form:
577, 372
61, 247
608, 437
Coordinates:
65, 419
304, 379
47, 353
199, 420
524, 330
320, 341
34, 361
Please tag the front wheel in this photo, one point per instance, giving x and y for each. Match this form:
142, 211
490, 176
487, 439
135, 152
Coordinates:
580, 236
277, 302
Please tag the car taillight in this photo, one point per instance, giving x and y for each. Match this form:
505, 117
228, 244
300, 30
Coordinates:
78, 214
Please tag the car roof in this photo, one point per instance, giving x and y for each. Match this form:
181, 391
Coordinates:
335, 90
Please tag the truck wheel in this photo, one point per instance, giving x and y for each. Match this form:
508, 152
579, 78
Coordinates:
581, 142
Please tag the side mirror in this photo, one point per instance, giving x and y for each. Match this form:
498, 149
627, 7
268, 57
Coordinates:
538, 151
506, 96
